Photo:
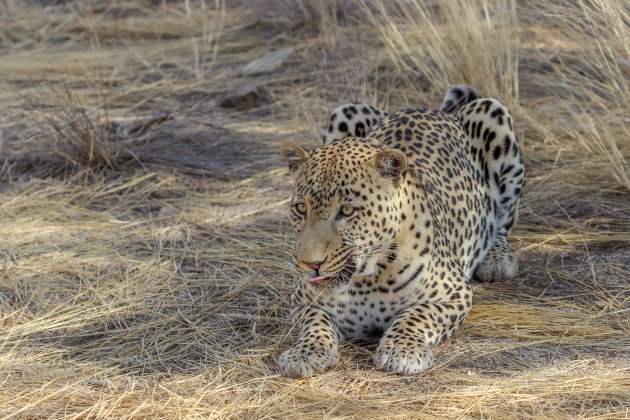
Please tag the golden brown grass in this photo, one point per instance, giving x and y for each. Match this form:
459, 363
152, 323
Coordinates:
144, 238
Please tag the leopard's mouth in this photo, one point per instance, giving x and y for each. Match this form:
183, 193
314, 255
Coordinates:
341, 277
317, 276
314, 277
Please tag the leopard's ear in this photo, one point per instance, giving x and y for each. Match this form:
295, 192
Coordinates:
390, 163
293, 155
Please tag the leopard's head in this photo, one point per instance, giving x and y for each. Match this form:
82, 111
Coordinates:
346, 207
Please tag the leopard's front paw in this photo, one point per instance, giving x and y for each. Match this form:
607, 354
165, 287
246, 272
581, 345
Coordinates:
407, 357
303, 360
499, 264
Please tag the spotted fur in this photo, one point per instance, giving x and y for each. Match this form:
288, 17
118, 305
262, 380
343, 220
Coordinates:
351, 119
458, 96
393, 224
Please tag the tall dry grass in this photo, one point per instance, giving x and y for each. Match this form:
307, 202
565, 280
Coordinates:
158, 285
579, 52
591, 84
447, 43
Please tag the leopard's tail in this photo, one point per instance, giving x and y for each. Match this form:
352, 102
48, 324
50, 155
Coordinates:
457, 96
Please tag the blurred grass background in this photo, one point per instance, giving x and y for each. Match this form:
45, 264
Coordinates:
144, 236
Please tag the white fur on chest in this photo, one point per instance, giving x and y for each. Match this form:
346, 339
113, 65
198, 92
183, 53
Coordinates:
363, 312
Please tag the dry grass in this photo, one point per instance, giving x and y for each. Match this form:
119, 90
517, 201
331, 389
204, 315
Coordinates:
144, 237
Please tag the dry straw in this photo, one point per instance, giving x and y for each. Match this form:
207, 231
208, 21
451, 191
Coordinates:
144, 240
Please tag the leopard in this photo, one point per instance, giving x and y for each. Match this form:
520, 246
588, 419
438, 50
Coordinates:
396, 215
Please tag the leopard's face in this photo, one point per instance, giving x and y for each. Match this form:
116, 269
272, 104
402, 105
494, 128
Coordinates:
345, 208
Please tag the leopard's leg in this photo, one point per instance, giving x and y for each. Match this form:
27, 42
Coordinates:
405, 346
493, 146
352, 119
316, 349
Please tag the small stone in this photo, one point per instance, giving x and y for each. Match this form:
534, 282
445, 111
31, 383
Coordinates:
167, 211
267, 63
245, 96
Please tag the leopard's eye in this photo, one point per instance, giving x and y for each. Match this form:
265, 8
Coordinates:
346, 211
301, 208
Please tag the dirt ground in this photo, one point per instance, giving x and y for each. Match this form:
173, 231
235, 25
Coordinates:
145, 243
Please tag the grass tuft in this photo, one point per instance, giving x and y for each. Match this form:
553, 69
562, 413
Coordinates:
80, 139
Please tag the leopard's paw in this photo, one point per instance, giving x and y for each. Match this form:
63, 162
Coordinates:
302, 360
407, 358
499, 264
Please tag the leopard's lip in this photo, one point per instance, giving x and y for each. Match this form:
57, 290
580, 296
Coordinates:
315, 279
316, 276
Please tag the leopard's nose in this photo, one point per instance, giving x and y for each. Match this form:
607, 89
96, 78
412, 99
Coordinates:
313, 265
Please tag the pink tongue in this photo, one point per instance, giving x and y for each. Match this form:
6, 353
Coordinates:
317, 278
